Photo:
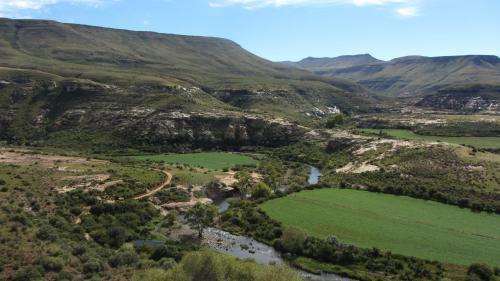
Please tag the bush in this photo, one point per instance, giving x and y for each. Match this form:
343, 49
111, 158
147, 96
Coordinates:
47, 234
79, 250
92, 266
52, 264
167, 263
122, 258
28, 275
293, 240
2, 182
480, 272
210, 266
334, 121
261, 190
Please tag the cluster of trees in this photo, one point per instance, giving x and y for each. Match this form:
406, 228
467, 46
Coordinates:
440, 191
246, 185
330, 250
245, 218
336, 120
210, 266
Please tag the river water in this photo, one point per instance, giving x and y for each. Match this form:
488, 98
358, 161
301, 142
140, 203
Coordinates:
314, 175
247, 248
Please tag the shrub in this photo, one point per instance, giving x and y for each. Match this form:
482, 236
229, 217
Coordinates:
47, 234
293, 240
92, 266
52, 263
335, 120
79, 250
210, 266
2, 182
261, 190
167, 263
480, 272
122, 258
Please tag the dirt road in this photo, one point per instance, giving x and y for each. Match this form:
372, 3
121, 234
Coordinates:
166, 182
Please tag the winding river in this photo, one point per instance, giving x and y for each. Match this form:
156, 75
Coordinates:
247, 248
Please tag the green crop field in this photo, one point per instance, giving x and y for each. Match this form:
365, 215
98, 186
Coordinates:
402, 225
210, 160
479, 142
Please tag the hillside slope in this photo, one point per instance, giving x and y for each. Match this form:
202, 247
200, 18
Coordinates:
124, 57
156, 88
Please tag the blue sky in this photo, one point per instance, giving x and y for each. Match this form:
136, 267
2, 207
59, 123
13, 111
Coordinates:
294, 29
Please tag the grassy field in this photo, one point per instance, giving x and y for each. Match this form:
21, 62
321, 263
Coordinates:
402, 225
479, 142
210, 160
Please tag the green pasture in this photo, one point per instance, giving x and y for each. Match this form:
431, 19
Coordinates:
403, 225
478, 142
210, 160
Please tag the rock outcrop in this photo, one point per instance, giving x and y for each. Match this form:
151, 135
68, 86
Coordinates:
476, 98
36, 111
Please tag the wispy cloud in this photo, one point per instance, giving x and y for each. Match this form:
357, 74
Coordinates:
407, 11
17, 7
405, 8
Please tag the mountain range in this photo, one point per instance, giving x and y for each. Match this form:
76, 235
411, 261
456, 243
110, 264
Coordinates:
408, 76
458, 83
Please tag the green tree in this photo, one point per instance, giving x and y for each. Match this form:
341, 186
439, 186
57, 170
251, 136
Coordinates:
244, 183
293, 240
261, 190
273, 178
201, 216
336, 120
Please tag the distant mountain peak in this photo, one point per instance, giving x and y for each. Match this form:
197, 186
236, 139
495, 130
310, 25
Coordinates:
327, 63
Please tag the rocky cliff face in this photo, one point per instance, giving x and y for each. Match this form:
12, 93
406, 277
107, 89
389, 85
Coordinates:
37, 112
141, 126
484, 99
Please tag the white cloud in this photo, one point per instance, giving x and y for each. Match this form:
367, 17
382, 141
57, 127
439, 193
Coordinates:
15, 7
408, 11
401, 7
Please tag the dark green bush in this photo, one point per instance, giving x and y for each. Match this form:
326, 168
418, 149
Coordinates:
480, 272
52, 263
92, 266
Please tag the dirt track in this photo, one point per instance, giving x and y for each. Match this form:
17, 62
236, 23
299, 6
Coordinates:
166, 182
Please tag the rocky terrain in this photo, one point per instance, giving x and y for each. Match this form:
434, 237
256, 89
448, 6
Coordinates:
475, 98
35, 111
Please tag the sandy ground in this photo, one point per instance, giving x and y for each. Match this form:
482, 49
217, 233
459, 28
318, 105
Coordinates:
229, 178
27, 158
358, 168
63, 164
